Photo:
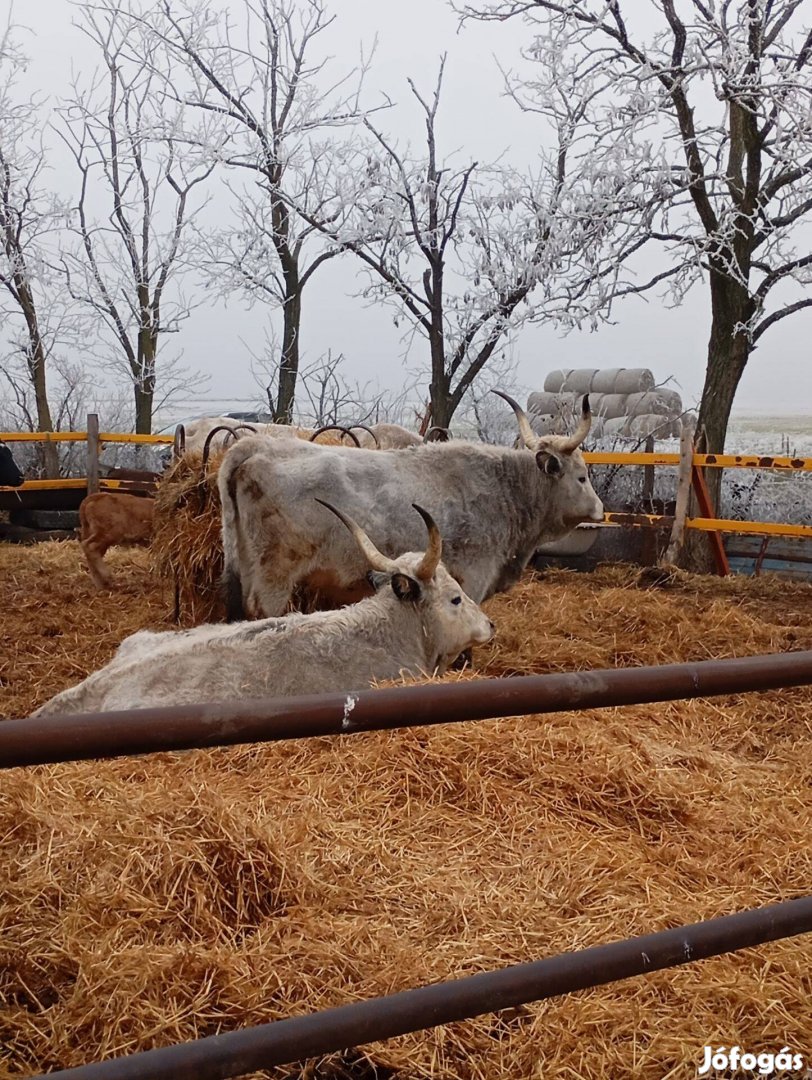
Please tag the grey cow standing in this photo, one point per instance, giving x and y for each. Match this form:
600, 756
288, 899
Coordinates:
418, 620
494, 505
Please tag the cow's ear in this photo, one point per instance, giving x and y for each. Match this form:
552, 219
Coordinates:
549, 463
406, 588
377, 579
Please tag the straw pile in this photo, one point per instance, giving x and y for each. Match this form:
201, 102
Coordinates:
187, 549
147, 901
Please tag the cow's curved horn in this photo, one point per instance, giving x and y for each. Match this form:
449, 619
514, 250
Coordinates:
232, 431
437, 434
582, 430
179, 442
434, 552
210, 436
334, 427
363, 427
375, 558
526, 432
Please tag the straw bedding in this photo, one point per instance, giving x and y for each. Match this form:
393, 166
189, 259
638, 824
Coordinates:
151, 900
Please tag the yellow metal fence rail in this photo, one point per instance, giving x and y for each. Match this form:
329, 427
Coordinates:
712, 461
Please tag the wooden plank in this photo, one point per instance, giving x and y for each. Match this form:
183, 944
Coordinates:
705, 505
686, 444
92, 453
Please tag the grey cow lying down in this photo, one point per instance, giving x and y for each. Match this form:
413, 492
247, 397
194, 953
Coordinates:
418, 620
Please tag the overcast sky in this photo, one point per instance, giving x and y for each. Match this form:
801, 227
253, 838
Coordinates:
479, 121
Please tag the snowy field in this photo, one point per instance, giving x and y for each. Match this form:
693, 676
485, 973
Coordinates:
747, 494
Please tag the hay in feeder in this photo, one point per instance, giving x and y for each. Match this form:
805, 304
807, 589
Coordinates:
187, 548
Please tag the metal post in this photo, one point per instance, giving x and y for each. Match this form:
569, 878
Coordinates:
288, 1041
41, 740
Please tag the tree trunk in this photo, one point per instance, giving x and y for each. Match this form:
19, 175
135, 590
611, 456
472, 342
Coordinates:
144, 382
728, 352
36, 366
143, 410
289, 364
441, 406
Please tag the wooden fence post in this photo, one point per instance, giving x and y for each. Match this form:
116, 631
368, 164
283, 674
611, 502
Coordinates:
686, 458
648, 544
92, 453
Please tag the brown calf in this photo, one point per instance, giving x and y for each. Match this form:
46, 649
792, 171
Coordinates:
106, 519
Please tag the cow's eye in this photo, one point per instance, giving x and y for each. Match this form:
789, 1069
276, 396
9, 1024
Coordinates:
582, 479
457, 600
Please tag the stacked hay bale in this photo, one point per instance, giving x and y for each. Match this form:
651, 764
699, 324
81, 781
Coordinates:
624, 402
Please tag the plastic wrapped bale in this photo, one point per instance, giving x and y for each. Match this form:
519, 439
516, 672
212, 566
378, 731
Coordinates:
187, 547
633, 381
622, 380
579, 381
555, 380
615, 426
610, 406
665, 402
651, 424
547, 404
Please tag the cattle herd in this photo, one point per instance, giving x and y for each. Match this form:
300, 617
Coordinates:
343, 564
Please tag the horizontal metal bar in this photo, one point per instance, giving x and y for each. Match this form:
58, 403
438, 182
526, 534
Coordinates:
41, 740
81, 436
43, 436
709, 461
747, 528
125, 437
76, 483
286, 1041
50, 485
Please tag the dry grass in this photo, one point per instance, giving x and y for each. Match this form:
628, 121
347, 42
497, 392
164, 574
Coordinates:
151, 900
187, 549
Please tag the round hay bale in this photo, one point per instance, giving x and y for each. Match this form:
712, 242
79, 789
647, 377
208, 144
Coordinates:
187, 547
651, 424
544, 425
604, 381
664, 402
547, 404
579, 381
554, 382
610, 406
616, 426
633, 381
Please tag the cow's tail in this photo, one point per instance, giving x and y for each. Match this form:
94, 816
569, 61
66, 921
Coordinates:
230, 582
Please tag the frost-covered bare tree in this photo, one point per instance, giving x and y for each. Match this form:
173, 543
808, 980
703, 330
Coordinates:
266, 78
138, 195
29, 215
706, 108
465, 252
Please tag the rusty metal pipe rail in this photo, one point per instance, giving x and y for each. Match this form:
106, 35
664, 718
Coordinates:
301, 1037
44, 740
